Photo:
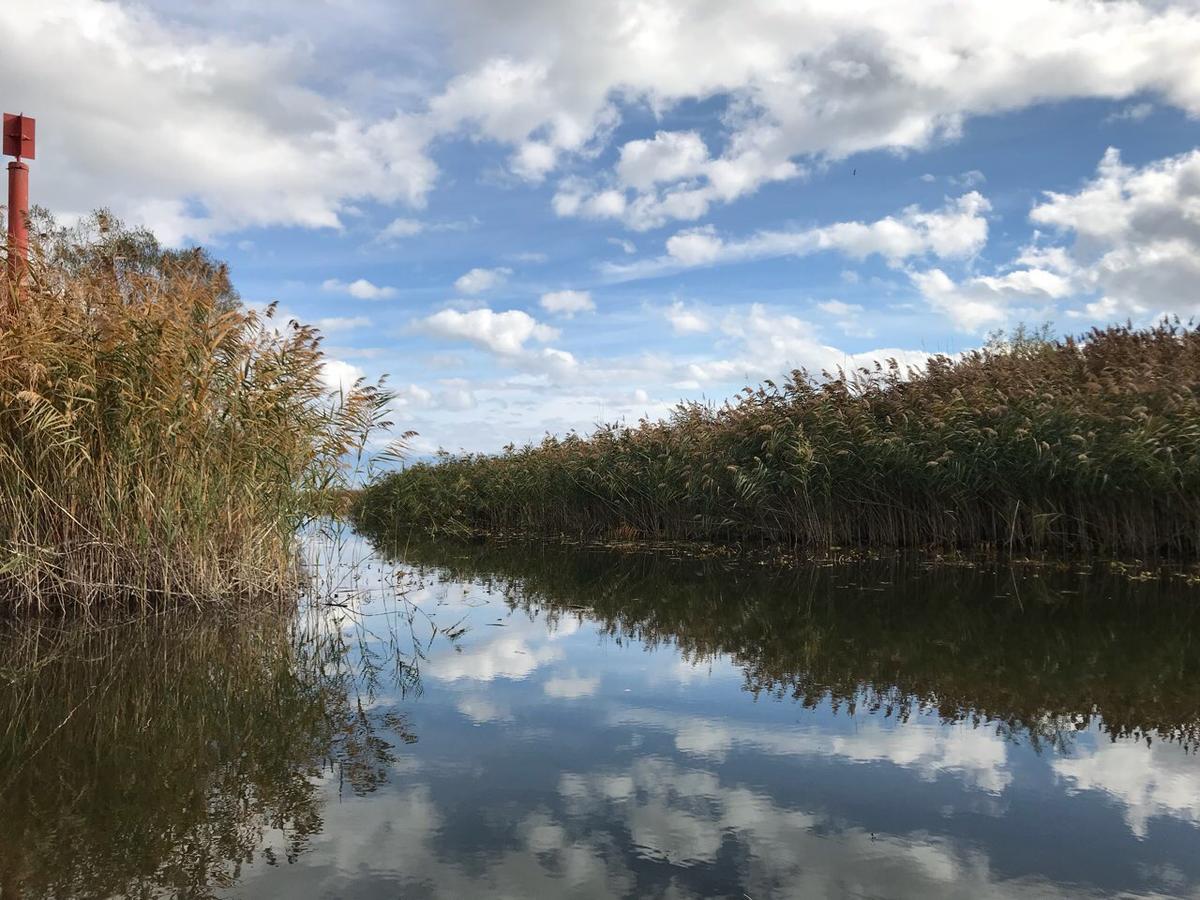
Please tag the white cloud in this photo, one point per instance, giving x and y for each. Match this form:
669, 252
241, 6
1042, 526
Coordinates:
1134, 112
684, 320
803, 81
504, 333
359, 288
1149, 781
848, 316
1136, 236
981, 302
198, 134
556, 362
567, 303
668, 156
331, 324
956, 231
195, 134
976, 754
340, 376
401, 228
478, 280
481, 709
771, 343
571, 688
413, 395
502, 657
1133, 252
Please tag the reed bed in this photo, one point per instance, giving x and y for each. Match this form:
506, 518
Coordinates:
1084, 445
159, 442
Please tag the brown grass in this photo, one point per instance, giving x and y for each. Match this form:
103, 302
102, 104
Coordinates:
158, 441
1088, 445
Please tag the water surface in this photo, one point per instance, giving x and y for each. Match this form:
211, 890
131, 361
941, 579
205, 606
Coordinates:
460, 721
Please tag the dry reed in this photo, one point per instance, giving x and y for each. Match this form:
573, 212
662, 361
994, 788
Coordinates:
159, 442
1088, 445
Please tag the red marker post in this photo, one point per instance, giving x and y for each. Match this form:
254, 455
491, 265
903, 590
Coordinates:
18, 142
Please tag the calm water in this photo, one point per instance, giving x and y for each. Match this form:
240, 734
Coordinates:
498, 721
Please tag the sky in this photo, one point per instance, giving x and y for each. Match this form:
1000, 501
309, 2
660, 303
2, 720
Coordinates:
538, 215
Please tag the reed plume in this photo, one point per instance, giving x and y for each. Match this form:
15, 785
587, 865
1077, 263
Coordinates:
1084, 445
159, 441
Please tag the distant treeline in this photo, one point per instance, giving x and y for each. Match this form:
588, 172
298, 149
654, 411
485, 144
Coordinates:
1088, 445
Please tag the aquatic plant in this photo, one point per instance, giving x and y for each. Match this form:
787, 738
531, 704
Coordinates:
1029, 444
159, 441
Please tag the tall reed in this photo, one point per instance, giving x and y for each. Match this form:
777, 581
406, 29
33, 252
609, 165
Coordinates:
1078, 445
159, 442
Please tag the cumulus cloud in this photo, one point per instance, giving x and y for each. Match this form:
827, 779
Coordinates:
477, 280
800, 82
980, 302
1136, 236
196, 134
1125, 245
229, 132
771, 342
360, 289
684, 320
957, 230
567, 303
503, 333
340, 376
668, 156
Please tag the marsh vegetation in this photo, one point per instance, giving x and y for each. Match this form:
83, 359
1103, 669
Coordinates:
159, 441
1088, 445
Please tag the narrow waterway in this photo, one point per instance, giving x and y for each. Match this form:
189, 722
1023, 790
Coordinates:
497, 720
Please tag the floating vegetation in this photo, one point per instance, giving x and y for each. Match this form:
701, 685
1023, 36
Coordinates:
1081, 446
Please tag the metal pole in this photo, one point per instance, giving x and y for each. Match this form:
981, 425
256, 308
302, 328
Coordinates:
18, 219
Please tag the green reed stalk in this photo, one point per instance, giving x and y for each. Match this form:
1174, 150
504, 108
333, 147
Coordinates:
1088, 445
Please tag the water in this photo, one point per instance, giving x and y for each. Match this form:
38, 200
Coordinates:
467, 721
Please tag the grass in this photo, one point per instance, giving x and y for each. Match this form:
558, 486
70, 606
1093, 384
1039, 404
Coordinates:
159, 442
1088, 445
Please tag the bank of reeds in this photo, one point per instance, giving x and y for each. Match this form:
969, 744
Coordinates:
1088, 445
159, 442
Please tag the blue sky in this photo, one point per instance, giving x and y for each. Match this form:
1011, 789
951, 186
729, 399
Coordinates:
535, 216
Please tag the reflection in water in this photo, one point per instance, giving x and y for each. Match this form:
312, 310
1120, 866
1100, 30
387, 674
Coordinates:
161, 756
1041, 651
601, 725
